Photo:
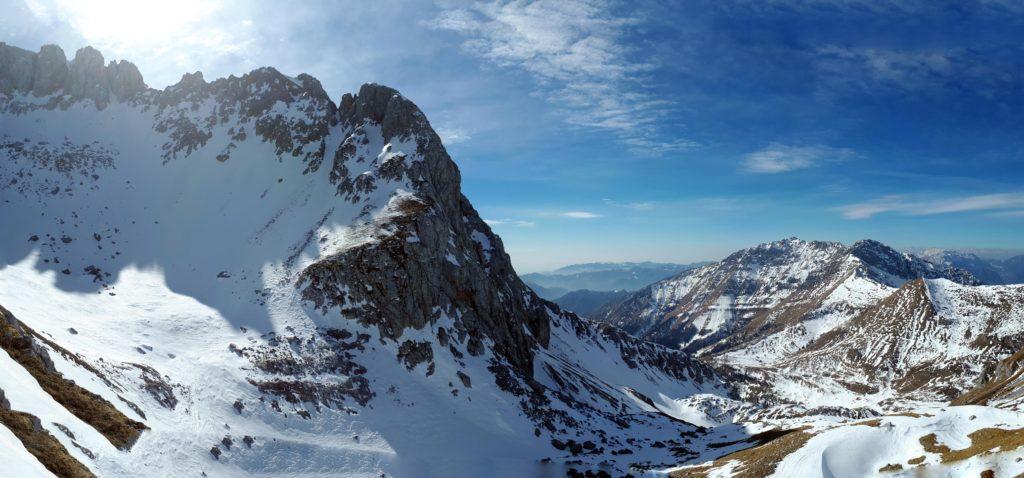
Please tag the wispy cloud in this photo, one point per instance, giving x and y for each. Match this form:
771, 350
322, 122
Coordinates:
576, 49
907, 205
954, 70
452, 136
509, 222
634, 205
1013, 213
580, 215
779, 158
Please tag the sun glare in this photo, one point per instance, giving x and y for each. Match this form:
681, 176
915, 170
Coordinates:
125, 26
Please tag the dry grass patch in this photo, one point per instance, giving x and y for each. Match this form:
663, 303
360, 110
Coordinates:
757, 462
982, 442
40, 443
17, 340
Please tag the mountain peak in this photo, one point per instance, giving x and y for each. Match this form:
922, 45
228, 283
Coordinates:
383, 105
893, 267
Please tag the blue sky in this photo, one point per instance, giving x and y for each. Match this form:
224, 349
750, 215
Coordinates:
669, 131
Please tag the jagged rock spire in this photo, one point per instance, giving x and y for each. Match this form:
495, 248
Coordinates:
51, 70
86, 77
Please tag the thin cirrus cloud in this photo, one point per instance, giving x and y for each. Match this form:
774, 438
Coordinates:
580, 215
452, 136
634, 205
780, 158
509, 222
578, 53
1003, 204
952, 70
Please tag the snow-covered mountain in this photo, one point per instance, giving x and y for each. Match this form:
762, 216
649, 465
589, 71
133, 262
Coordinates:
854, 359
793, 287
247, 278
811, 324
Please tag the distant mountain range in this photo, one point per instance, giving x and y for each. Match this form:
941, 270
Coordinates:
585, 301
989, 270
584, 288
602, 276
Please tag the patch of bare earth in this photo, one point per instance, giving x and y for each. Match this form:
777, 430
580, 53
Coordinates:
756, 462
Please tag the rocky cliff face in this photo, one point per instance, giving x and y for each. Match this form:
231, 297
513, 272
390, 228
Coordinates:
475, 283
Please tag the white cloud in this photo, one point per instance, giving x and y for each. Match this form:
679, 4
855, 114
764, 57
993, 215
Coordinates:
635, 205
580, 215
509, 222
911, 206
779, 158
452, 136
577, 52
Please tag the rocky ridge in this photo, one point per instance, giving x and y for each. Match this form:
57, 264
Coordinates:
85, 77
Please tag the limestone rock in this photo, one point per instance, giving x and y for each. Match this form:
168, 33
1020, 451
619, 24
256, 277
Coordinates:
482, 289
124, 79
51, 70
16, 66
87, 77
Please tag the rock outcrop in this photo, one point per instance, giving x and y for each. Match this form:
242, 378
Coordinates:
16, 69
86, 77
51, 71
483, 293
124, 80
